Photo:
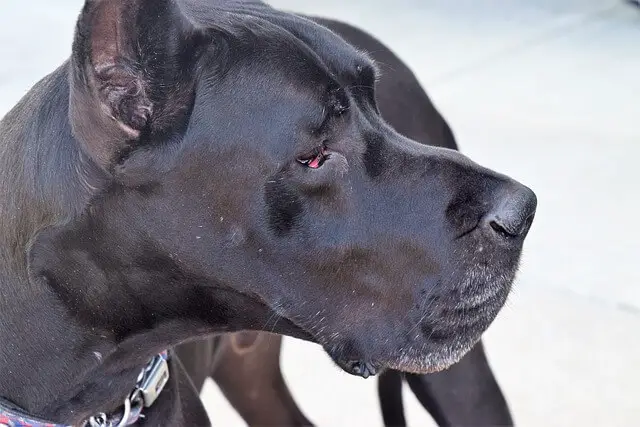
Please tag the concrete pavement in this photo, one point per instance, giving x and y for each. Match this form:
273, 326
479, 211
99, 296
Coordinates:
543, 90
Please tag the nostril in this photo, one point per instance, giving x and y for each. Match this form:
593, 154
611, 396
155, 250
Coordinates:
508, 228
498, 228
514, 214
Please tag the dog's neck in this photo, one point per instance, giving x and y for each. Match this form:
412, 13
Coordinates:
37, 339
59, 370
53, 365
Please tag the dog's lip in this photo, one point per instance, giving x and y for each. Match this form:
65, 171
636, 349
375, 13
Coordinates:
359, 367
364, 368
413, 369
290, 328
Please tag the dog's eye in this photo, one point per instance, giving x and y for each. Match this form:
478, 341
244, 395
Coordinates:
315, 159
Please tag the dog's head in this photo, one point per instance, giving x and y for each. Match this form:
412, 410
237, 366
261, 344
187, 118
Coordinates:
249, 182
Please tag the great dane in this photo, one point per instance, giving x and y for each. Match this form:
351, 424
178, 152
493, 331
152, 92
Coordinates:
201, 167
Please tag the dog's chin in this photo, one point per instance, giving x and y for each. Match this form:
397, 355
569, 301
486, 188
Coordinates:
444, 336
411, 361
436, 361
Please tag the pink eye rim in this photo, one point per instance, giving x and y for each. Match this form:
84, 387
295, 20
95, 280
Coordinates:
316, 159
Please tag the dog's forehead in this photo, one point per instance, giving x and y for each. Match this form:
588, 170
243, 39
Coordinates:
339, 56
239, 17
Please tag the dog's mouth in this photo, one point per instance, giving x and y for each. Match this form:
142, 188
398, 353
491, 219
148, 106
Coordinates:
428, 341
418, 364
367, 327
314, 159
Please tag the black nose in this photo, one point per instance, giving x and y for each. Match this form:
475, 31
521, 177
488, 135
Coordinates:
514, 212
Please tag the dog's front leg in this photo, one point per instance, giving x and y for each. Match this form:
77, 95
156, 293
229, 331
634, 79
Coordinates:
248, 373
466, 394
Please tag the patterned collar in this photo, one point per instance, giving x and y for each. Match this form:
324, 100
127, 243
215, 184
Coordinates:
151, 381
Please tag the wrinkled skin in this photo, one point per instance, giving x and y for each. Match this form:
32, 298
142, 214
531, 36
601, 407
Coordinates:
194, 130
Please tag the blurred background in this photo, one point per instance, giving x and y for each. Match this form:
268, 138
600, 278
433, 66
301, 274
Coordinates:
543, 90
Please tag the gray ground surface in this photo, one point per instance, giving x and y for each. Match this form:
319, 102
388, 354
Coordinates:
543, 90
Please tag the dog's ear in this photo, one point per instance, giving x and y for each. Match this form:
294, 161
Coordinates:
131, 73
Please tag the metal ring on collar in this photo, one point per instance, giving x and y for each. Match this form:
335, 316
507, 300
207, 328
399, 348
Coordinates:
127, 413
101, 420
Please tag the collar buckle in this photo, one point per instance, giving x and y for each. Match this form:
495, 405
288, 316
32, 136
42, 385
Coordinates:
151, 381
154, 379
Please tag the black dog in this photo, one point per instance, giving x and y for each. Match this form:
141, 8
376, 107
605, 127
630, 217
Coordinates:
200, 167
